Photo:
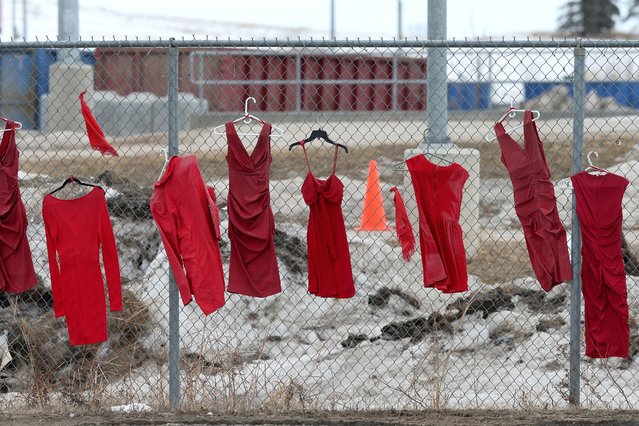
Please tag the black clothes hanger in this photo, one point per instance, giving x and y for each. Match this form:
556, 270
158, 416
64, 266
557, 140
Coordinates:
72, 179
319, 134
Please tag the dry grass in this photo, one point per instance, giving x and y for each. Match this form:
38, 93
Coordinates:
500, 261
78, 373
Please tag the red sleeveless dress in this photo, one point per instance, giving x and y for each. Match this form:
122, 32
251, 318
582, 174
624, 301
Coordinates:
603, 275
16, 267
438, 191
535, 204
253, 264
329, 260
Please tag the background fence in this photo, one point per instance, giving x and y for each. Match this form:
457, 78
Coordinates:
505, 343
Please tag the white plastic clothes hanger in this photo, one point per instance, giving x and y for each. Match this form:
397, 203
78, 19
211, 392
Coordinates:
166, 161
400, 166
510, 112
275, 131
592, 169
19, 125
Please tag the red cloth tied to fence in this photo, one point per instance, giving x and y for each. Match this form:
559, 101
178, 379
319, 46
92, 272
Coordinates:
95, 133
403, 226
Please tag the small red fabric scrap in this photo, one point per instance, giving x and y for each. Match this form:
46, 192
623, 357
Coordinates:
403, 226
95, 133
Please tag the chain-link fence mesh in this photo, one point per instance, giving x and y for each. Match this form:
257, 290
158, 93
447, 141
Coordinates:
394, 345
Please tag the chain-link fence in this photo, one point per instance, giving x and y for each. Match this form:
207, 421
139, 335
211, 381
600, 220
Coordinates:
395, 345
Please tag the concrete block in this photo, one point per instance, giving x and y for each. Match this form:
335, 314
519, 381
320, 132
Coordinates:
108, 110
189, 107
44, 112
137, 113
161, 115
62, 106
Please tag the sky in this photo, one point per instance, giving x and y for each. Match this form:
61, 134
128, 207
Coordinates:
285, 18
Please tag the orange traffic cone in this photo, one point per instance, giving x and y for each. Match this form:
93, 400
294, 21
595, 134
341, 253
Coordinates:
373, 216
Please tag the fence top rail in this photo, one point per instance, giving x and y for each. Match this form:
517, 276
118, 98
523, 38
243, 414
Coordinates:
325, 43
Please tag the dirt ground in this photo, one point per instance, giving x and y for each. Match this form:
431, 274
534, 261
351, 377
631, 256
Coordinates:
461, 417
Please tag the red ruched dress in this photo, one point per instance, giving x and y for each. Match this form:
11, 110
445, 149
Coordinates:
535, 204
603, 275
253, 263
329, 259
188, 220
438, 191
76, 229
16, 266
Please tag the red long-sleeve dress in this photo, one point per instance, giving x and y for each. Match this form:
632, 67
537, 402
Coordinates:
188, 220
76, 229
16, 267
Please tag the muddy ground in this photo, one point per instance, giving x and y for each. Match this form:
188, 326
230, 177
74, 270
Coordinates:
465, 417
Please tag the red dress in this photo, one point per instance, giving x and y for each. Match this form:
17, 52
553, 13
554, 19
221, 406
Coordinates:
253, 264
438, 190
536, 205
76, 229
329, 260
602, 273
16, 266
188, 220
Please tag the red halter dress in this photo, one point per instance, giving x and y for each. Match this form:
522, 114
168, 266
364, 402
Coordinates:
438, 191
329, 260
253, 264
603, 275
535, 204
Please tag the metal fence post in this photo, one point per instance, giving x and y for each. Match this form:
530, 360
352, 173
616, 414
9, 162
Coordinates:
437, 76
68, 29
174, 313
575, 249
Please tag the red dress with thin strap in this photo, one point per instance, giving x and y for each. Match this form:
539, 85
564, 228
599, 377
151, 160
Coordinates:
253, 264
438, 191
16, 267
329, 260
535, 204
603, 275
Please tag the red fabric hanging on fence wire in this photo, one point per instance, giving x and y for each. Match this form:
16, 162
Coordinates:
95, 133
403, 226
